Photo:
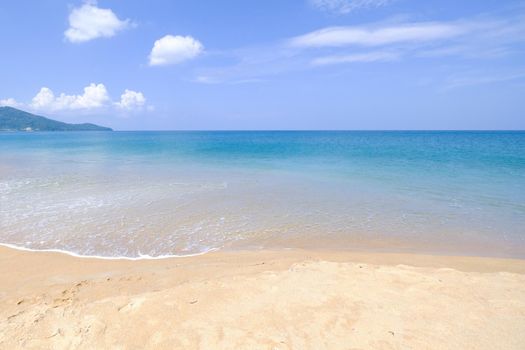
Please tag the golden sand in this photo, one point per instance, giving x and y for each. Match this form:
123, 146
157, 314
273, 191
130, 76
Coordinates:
261, 300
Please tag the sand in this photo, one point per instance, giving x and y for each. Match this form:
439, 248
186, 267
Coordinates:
261, 300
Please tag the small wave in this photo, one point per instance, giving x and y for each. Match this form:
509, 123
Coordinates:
100, 257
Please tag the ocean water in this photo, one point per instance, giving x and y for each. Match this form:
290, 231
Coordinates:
137, 194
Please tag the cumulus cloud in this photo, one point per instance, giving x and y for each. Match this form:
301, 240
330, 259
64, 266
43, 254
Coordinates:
354, 58
174, 49
130, 100
9, 102
347, 6
45, 98
364, 36
94, 97
89, 22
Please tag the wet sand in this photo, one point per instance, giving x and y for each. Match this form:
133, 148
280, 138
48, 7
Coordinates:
287, 299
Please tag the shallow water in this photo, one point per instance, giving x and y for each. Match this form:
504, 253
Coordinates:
176, 193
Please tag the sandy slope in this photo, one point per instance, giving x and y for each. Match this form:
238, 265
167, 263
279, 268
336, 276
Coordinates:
262, 300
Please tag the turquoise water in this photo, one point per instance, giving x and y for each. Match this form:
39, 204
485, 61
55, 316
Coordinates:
133, 194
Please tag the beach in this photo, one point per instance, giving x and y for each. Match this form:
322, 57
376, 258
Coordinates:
283, 299
262, 240
274, 175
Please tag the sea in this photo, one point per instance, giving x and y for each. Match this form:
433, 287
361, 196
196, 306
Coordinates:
149, 194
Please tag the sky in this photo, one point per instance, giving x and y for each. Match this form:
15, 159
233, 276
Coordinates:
272, 64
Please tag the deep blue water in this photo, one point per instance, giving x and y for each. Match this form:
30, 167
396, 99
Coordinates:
125, 193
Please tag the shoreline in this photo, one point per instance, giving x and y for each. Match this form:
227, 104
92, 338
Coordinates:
101, 257
288, 299
358, 250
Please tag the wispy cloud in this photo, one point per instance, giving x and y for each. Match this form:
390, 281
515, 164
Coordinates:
347, 6
469, 51
204, 79
477, 38
358, 57
377, 36
482, 78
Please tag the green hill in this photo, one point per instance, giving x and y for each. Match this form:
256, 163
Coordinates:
12, 119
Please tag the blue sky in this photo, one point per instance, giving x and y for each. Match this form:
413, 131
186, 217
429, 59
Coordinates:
273, 64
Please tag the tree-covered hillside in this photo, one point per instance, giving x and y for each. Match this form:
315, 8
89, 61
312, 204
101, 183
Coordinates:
13, 119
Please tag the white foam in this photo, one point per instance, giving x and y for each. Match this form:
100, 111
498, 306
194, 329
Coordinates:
100, 257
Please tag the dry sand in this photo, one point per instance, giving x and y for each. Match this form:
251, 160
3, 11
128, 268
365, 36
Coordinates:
261, 300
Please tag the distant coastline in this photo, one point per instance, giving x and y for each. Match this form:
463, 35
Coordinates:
12, 119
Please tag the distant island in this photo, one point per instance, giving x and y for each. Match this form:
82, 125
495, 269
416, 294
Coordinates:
12, 119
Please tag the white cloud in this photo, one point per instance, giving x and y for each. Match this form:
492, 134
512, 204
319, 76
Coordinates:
353, 58
174, 49
364, 36
43, 99
482, 78
347, 6
478, 38
204, 79
89, 22
9, 102
131, 100
94, 96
